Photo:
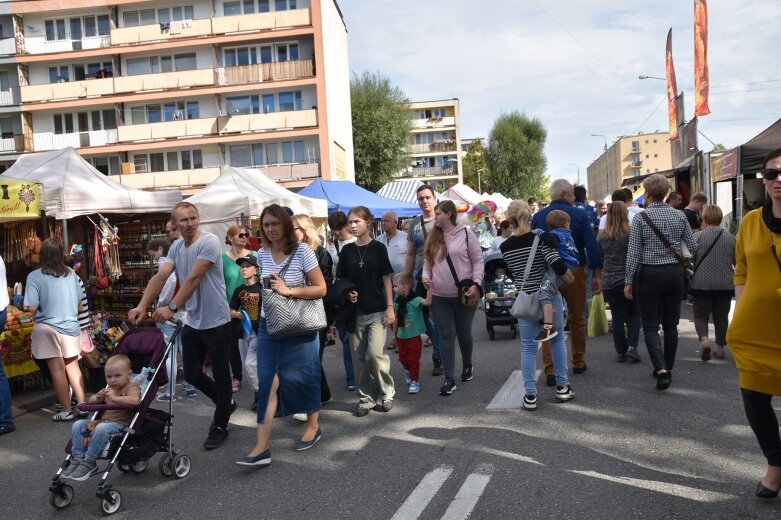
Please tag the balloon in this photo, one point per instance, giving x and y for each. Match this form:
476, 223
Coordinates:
482, 209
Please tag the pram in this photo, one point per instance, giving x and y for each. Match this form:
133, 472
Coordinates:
149, 430
498, 295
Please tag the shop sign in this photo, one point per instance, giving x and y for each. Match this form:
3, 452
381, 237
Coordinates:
19, 199
725, 166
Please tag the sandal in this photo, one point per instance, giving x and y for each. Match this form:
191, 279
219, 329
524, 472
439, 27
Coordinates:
64, 416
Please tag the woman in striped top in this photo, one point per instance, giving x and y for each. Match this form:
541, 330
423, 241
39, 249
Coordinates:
660, 282
516, 251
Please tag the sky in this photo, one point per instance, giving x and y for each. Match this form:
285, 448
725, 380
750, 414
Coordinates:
574, 64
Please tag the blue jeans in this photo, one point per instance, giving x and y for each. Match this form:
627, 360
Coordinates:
529, 347
6, 418
347, 356
170, 367
100, 437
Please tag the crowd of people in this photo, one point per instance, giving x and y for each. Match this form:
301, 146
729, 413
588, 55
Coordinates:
390, 291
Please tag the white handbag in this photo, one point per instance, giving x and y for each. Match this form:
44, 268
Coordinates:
527, 306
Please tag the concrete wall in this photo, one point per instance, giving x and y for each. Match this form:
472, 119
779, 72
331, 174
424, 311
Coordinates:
201, 8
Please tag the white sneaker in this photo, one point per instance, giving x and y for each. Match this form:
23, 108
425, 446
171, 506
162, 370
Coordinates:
529, 402
564, 393
300, 417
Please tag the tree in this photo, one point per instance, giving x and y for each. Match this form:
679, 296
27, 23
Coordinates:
473, 161
516, 158
381, 129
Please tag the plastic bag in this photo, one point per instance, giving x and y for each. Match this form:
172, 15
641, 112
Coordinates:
597, 318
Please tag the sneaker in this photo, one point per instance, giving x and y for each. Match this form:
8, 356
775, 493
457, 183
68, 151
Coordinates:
236, 385
466, 373
529, 402
217, 436
414, 387
70, 469
302, 417
663, 380
190, 392
407, 377
564, 393
84, 470
165, 397
351, 388
264, 459
545, 335
63, 416
633, 355
361, 411
386, 405
579, 370
550, 380
448, 387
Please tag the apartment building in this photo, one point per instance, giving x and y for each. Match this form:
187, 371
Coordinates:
167, 93
435, 144
629, 156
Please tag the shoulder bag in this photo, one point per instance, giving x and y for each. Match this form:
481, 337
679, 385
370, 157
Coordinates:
291, 316
686, 263
465, 284
527, 306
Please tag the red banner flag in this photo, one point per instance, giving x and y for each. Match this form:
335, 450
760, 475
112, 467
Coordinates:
672, 87
701, 80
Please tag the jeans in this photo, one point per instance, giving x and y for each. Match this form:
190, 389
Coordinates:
659, 290
248, 349
347, 356
371, 364
99, 438
705, 304
762, 418
625, 317
170, 367
215, 342
6, 417
574, 295
529, 347
453, 320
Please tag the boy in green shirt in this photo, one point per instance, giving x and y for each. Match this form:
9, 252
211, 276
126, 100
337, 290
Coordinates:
408, 327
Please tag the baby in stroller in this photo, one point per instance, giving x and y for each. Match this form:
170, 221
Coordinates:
90, 438
499, 290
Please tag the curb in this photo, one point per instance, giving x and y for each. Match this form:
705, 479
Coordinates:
32, 403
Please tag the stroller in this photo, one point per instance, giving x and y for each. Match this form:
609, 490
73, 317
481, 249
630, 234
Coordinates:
149, 430
498, 295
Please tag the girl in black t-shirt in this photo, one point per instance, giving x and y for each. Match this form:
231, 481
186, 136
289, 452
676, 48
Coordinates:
365, 263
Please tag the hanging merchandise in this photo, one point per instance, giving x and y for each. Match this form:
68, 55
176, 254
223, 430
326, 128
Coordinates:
106, 257
101, 280
55, 229
32, 244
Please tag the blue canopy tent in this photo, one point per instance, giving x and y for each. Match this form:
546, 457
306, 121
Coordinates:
344, 195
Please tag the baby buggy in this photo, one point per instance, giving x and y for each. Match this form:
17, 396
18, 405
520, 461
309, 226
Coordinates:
498, 295
149, 430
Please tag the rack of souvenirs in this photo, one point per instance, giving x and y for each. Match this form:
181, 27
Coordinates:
15, 343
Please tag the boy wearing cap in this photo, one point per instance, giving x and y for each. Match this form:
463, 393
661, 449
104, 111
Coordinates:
246, 298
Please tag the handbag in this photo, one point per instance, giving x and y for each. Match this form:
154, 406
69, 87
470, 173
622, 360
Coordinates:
291, 316
686, 263
527, 306
465, 284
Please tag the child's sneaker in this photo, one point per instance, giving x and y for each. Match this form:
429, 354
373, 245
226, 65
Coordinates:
414, 387
564, 393
545, 335
166, 397
529, 402
189, 391
84, 470
70, 469
407, 377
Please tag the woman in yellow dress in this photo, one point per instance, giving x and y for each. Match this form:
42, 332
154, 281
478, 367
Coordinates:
752, 335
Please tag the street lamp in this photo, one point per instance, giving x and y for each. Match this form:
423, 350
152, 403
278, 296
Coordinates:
479, 185
603, 137
578, 167
651, 77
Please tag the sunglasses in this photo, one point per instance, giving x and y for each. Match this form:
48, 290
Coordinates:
242, 235
770, 174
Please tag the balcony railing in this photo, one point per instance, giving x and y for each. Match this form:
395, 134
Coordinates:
270, 121
167, 130
429, 171
9, 97
290, 172
161, 32
433, 122
12, 144
433, 147
40, 45
51, 141
261, 21
7, 46
169, 179
257, 73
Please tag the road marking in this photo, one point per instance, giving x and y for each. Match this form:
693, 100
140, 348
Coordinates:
422, 494
471, 491
510, 396
677, 490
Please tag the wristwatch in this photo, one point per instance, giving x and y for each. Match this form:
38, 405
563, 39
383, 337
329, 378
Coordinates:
173, 307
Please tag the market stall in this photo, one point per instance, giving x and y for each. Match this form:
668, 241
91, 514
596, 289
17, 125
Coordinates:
344, 195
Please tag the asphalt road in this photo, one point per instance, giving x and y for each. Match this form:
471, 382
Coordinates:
621, 449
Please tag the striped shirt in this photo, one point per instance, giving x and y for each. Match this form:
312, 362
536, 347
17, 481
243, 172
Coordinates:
645, 247
516, 250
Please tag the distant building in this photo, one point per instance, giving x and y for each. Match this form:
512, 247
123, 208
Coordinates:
435, 144
467, 143
629, 156
168, 93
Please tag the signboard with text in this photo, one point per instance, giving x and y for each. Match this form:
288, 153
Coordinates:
19, 199
724, 166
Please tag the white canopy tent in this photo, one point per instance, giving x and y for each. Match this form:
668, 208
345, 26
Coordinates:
245, 191
462, 193
73, 187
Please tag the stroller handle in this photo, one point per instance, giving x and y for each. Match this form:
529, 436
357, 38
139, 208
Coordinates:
174, 322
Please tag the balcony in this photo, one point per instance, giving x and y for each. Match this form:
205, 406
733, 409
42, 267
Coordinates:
161, 32
7, 47
167, 130
261, 21
436, 146
429, 171
40, 45
9, 97
270, 121
50, 141
169, 179
67, 90
260, 72
433, 122
12, 144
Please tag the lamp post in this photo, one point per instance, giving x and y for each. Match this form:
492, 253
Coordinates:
479, 185
603, 137
651, 77
578, 167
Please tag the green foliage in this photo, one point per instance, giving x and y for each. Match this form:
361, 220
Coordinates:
473, 161
381, 129
516, 157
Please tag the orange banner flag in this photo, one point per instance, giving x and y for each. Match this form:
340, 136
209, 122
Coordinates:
672, 87
701, 80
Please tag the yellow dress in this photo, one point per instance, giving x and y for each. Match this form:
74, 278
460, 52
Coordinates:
754, 336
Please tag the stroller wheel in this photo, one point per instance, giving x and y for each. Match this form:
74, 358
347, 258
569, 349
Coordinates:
491, 333
140, 466
164, 465
61, 497
111, 502
180, 466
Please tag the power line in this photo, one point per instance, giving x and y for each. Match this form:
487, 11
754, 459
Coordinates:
651, 114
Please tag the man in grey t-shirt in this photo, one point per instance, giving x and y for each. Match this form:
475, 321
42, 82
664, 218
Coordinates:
197, 260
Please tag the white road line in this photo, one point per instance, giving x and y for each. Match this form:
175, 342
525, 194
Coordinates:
509, 397
422, 494
677, 490
466, 499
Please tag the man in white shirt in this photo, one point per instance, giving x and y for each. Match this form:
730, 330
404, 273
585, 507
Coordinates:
620, 195
395, 241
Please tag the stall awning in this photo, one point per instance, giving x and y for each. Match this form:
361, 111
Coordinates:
672, 172
753, 153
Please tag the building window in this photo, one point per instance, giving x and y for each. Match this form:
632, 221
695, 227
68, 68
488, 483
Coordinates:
231, 8
439, 112
139, 163
290, 101
63, 123
654, 141
635, 146
287, 51
148, 65
263, 6
59, 74
268, 103
648, 170
107, 165
185, 61
249, 155
191, 159
656, 155
284, 5
241, 56
55, 30
646, 156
